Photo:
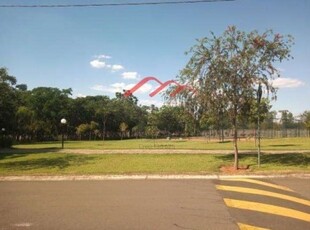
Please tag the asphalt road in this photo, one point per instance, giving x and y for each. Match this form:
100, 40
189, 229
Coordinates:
276, 204
155, 204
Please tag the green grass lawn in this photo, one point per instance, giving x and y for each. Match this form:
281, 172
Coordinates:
46, 159
266, 144
54, 163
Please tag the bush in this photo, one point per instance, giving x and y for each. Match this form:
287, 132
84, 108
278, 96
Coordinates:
5, 142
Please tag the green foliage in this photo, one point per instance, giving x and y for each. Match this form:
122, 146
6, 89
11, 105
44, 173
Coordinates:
287, 120
269, 120
49, 106
5, 141
170, 119
123, 128
151, 131
82, 129
306, 119
88, 129
224, 72
8, 100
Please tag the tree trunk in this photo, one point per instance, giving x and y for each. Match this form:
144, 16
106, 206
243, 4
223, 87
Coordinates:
236, 163
104, 129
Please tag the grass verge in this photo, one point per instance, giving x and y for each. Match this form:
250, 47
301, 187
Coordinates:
53, 163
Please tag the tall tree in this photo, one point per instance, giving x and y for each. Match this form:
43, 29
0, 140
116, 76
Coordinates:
269, 122
227, 70
287, 119
25, 123
305, 117
123, 128
169, 119
49, 106
8, 101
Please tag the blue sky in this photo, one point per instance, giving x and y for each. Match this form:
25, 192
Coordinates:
98, 50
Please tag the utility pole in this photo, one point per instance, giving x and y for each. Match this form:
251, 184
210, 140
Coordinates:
259, 97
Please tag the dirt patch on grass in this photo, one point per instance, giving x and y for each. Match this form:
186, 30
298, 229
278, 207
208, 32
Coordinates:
144, 151
230, 169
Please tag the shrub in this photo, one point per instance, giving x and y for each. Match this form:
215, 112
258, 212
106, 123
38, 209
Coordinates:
5, 142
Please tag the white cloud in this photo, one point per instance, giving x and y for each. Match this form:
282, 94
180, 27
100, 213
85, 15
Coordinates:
99, 88
150, 102
287, 83
113, 88
78, 95
81, 95
120, 86
130, 75
145, 88
116, 67
97, 64
103, 56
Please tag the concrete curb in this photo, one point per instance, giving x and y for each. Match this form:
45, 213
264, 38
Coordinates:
145, 177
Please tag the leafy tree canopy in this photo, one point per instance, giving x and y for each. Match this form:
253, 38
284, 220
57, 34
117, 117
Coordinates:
224, 72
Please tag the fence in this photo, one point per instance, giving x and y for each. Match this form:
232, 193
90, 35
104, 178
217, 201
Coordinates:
250, 133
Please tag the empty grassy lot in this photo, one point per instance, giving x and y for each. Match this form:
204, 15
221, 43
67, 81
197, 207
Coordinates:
47, 159
53, 163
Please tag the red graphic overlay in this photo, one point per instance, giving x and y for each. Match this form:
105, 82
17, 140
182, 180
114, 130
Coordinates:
178, 89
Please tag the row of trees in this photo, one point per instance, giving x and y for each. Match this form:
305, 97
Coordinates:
35, 115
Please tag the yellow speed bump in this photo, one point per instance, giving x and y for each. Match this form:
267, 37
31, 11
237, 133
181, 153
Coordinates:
250, 227
260, 183
263, 193
267, 208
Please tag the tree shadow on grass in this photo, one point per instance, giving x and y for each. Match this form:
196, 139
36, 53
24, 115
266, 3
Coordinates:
241, 156
58, 162
287, 159
292, 159
15, 153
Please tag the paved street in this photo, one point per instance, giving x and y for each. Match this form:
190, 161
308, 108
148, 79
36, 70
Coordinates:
275, 204
156, 204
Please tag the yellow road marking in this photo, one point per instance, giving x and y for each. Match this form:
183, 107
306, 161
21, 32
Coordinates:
267, 208
262, 192
260, 183
250, 227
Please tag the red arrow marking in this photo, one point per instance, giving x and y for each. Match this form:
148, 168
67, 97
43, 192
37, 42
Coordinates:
178, 89
162, 86
139, 84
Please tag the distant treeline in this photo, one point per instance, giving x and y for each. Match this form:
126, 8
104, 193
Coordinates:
34, 115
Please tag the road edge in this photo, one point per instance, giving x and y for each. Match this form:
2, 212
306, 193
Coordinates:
145, 177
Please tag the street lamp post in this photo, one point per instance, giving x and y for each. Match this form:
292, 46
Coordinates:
3, 132
2, 138
63, 122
